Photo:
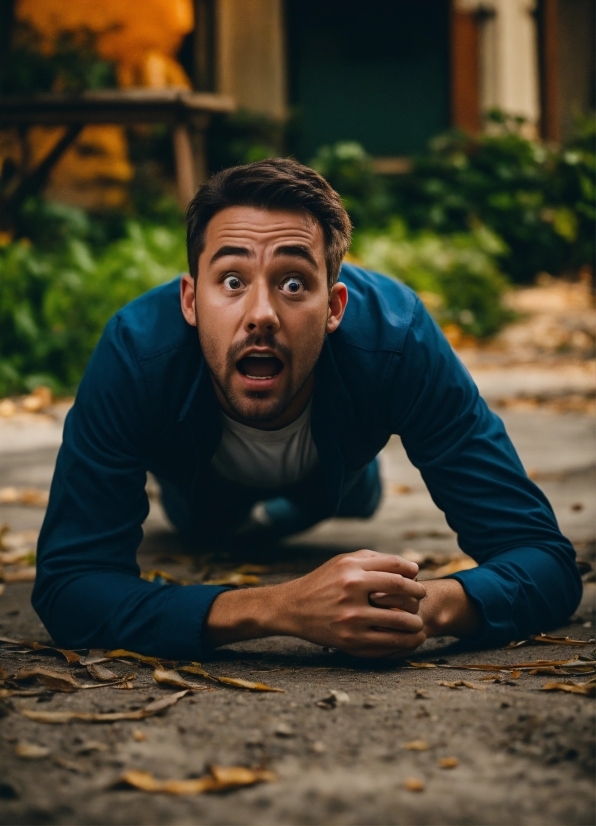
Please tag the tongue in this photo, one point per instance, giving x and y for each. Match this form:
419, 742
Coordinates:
260, 367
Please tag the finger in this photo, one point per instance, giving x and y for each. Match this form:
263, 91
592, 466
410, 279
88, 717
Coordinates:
392, 621
389, 562
394, 584
403, 603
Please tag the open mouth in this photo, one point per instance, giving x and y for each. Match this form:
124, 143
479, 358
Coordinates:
260, 366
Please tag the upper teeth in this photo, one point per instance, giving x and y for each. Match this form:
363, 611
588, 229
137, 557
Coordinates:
260, 356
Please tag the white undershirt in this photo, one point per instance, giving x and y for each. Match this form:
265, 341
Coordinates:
266, 458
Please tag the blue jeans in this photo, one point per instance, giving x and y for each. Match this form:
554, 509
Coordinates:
228, 513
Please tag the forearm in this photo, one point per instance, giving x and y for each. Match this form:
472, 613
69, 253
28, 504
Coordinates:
245, 614
447, 610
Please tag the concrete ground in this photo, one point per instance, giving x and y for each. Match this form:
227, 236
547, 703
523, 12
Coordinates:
524, 755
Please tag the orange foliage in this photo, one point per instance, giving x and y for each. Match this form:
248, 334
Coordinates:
142, 39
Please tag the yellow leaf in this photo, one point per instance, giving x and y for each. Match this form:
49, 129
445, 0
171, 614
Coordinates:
150, 710
161, 675
448, 763
219, 779
414, 784
588, 688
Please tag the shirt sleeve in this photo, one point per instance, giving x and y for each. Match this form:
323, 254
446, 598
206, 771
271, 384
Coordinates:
527, 580
88, 591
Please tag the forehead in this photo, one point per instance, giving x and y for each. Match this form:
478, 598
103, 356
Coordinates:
253, 225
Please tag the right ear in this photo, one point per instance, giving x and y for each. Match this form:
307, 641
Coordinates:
188, 299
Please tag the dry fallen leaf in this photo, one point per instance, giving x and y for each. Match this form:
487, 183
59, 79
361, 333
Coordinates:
61, 681
24, 496
219, 779
30, 751
234, 578
172, 678
54, 680
122, 654
195, 668
548, 640
247, 684
448, 763
150, 710
100, 672
94, 657
69, 656
588, 688
139, 735
416, 745
414, 664
414, 784
462, 684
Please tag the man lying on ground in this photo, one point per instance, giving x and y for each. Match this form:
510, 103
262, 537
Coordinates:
259, 390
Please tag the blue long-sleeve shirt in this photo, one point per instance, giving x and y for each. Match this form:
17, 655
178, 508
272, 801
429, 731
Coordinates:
146, 403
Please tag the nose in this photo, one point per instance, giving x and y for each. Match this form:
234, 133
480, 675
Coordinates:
261, 315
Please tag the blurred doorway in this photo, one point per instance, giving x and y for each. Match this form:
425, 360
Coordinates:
375, 72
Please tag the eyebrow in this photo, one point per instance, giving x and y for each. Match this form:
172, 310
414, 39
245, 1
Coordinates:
288, 250
295, 251
227, 250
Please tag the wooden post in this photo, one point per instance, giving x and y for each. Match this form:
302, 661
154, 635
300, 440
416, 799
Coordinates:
465, 70
185, 167
549, 54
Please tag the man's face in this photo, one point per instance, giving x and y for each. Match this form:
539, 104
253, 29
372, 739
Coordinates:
262, 306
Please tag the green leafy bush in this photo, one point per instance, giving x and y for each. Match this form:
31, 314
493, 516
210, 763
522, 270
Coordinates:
539, 199
456, 276
349, 170
54, 304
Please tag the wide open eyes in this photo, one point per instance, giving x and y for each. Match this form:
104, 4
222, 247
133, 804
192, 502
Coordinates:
232, 283
293, 285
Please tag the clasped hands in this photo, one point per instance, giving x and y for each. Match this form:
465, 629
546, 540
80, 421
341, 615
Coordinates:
365, 603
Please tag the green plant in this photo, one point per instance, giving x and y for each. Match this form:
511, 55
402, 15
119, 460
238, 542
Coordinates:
349, 170
538, 198
54, 304
455, 275
72, 65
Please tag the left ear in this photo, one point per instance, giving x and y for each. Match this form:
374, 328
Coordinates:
338, 300
187, 299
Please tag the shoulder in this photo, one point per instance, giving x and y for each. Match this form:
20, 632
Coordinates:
152, 325
380, 310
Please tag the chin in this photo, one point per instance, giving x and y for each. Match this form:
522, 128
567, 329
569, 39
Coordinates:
258, 409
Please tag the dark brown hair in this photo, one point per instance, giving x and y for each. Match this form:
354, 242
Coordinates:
276, 183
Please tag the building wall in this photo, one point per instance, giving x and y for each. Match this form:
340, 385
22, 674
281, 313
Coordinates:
250, 54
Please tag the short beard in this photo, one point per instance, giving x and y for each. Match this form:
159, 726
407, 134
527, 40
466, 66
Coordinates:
221, 375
